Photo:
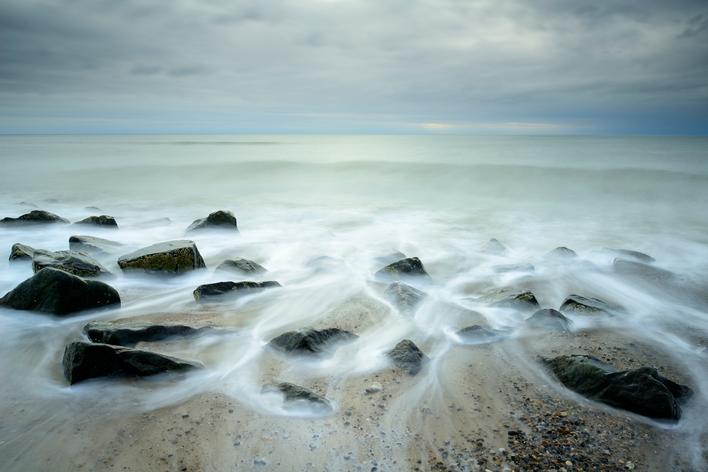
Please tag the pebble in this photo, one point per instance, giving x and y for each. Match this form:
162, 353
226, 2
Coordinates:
374, 388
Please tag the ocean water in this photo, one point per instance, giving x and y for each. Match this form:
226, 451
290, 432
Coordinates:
351, 199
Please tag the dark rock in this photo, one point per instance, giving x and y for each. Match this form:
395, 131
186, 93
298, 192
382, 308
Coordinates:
60, 293
642, 391
579, 304
633, 255
172, 257
405, 297
21, 251
34, 217
550, 319
221, 290
478, 333
241, 266
644, 271
72, 262
217, 220
85, 361
310, 341
93, 245
390, 258
506, 298
102, 220
407, 356
561, 252
405, 268
130, 335
493, 246
514, 268
295, 396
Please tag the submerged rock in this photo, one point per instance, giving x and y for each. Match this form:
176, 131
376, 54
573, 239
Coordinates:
310, 341
72, 262
405, 297
641, 270
408, 267
390, 258
130, 335
550, 319
83, 361
60, 293
478, 333
241, 266
493, 246
642, 391
92, 244
514, 268
34, 217
171, 257
561, 252
407, 356
101, 220
633, 255
221, 290
21, 251
218, 220
579, 304
507, 298
295, 396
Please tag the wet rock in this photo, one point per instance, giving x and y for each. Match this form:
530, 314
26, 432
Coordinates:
514, 268
93, 245
241, 266
375, 387
295, 396
549, 318
102, 220
641, 270
579, 304
221, 290
405, 297
310, 341
632, 255
130, 335
561, 252
21, 251
478, 333
407, 356
83, 361
405, 268
390, 258
508, 298
34, 217
642, 391
60, 293
172, 257
223, 220
72, 262
493, 246
156, 222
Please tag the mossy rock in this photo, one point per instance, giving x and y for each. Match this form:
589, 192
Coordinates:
101, 220
170, 258
34, 217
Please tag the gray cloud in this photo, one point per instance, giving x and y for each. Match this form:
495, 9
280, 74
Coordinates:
325, 64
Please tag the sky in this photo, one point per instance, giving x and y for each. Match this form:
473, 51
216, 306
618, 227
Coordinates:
340, 66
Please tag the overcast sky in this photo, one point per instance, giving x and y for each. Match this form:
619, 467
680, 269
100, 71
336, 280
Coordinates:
436, 66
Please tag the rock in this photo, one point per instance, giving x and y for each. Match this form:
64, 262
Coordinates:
508, 298
405, 297
85, 361
478, 334
390, 258
130, 335
641, 270
241, 266
224, 220
405, 268
34, 217
172, 257
21, 251
295, 396
221, 290
407, 356
633, 255
550, 319
60, 293
374, 388
642, 391
72, 262
561, 252
155, 222
579, 304
514, 268
310, 341
102, 220
493, 246
93, 245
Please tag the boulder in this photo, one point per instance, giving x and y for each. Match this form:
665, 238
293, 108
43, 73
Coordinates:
102, 220
221, 290
549, 318
632, 255
493, 246
83, 361
241, 266
132, 334
20, 251
642, 391
509, 298
72, 262
561, 252
34, 217
171, 257
407, 356
405, 268
60, 293
295, 396
93, 245
579, 304
310, 341
222, 220
405, 297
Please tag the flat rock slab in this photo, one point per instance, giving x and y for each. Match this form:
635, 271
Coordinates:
640, 270
83, 361
72, 262
93, 245
241, 266
220, 291
101, 220
171, 257
407, 356
632, 255
295, 396
410, 267
219, 220
403, 296
60, 293
130, 335
34, 217
311, 341
642, 391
